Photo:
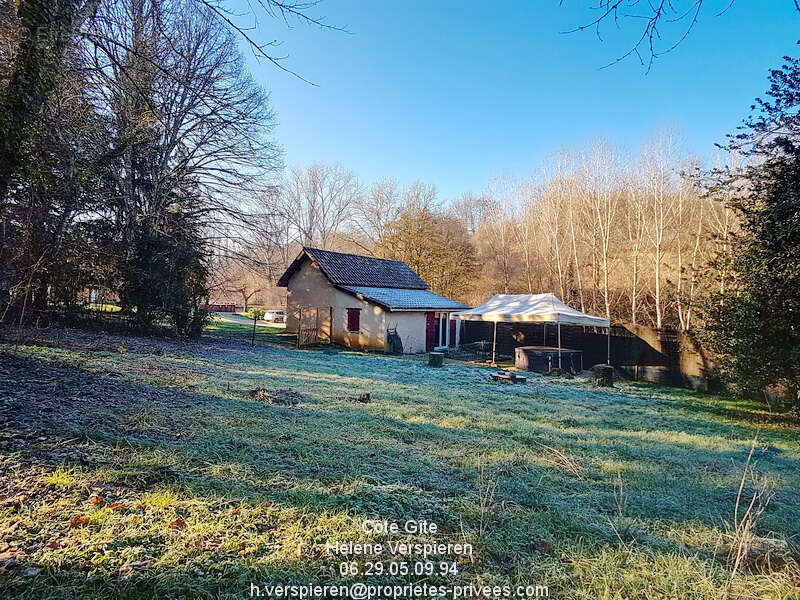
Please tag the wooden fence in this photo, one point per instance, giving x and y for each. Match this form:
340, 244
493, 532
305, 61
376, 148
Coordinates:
665, 356
312, 324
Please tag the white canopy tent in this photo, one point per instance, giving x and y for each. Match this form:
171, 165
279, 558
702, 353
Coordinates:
532, 308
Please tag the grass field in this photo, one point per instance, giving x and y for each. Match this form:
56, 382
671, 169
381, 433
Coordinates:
238, 326
137, 468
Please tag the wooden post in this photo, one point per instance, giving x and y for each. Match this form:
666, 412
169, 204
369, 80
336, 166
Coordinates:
494, 344
559, 344
299, 324
253, 341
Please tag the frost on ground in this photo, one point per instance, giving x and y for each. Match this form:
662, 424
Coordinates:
134, 467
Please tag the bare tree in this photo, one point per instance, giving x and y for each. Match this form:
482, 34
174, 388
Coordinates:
246, 283
420, 196
183, 92
472, 210
318, 202
526, 233
635, 215
600, 191
49, 30
664, 23
658, 165
374, 211
497, 232
551, 208
689, 223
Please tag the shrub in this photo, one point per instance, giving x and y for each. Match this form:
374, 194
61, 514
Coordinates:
255, 313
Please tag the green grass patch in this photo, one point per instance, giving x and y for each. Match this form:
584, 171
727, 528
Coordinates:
156, 472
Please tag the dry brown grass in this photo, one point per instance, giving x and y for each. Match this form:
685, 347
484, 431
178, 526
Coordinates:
563, 461
747, 511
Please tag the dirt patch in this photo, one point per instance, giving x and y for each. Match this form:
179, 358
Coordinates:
285, 397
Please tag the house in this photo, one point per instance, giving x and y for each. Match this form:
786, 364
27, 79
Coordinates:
355, 300
220, 305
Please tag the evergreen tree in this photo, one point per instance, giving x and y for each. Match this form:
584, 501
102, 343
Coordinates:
755, 325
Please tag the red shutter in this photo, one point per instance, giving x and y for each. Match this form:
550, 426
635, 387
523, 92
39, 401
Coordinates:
353, 319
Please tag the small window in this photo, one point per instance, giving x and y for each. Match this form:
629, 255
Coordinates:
353, 319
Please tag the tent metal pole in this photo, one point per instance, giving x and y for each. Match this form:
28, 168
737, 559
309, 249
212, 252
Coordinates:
608, 345
494, 343
559, 344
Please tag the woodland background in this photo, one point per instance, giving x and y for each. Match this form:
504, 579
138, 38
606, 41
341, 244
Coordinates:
138, 170
637, 238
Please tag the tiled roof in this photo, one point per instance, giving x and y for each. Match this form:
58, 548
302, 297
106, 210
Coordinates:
356, 270
404, 299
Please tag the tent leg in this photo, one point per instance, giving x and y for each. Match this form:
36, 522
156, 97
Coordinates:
559, 345
544, 335
608, 346
494, 343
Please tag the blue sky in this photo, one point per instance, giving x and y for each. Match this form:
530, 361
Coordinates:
453, 93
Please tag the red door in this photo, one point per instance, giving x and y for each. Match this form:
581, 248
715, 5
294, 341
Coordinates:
430, 331
452, 332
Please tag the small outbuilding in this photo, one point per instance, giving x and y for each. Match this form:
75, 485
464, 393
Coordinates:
359, 301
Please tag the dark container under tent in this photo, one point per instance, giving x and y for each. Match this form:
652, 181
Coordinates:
544, 359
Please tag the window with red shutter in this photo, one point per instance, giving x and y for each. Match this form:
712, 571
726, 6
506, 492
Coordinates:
353, 319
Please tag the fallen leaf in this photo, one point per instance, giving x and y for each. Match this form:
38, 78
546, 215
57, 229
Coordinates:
15, 502
96, 500
128, 568
236, 511
116, 506
178, 524
121, 349
203, 544
54, 544
542, 546
79, 521
137, 519
84, 564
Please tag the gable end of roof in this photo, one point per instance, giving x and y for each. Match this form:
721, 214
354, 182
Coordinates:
356, 270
